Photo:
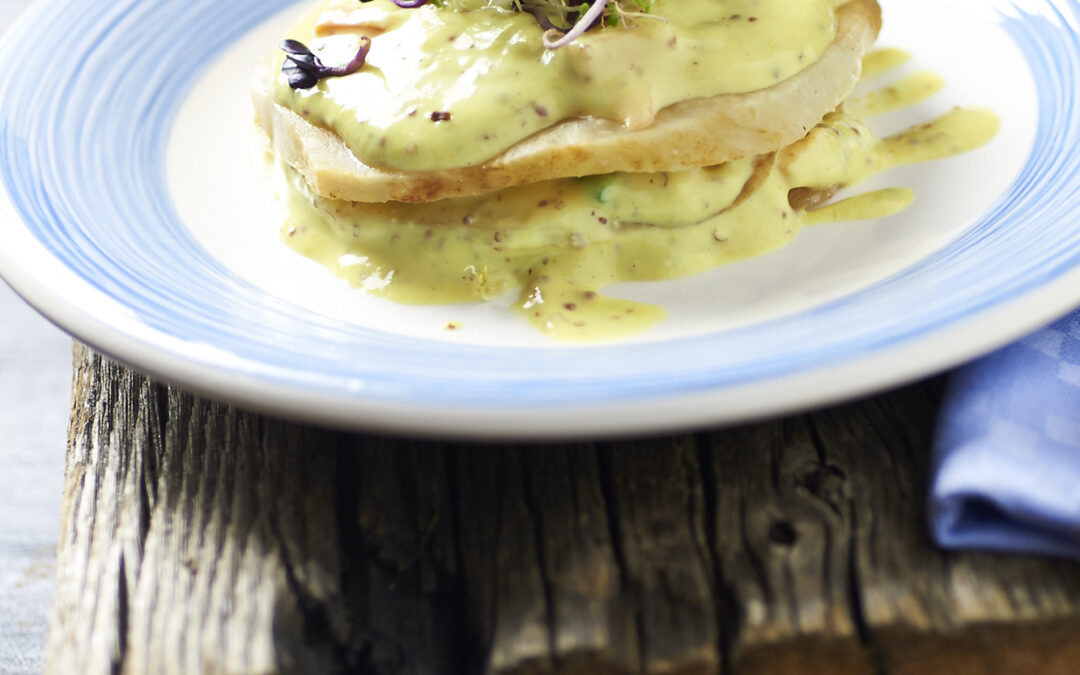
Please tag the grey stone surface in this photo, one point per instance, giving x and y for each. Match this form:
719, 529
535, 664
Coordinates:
35, 383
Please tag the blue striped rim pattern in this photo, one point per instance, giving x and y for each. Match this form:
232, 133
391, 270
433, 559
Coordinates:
83, 133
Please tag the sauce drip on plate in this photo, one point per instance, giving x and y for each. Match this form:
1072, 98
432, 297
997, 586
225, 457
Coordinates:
559, 243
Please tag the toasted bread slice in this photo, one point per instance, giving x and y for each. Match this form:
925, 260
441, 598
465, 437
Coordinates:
696, 132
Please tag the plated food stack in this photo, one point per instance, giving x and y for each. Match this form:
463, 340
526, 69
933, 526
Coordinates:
454, 150
466, 98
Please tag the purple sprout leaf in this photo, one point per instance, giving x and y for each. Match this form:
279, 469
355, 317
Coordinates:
295, 47
355, 64
554, 41
298, 77
304, 70
409, 4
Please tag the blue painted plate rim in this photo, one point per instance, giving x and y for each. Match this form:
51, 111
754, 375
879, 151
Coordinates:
462, 406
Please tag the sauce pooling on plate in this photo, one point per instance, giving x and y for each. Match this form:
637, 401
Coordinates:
561, 242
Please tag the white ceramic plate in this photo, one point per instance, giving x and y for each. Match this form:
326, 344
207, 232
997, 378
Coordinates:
133, 214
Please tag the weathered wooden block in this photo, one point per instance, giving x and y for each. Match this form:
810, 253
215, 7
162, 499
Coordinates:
201, 538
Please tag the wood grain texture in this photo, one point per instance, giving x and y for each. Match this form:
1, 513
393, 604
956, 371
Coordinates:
201, 538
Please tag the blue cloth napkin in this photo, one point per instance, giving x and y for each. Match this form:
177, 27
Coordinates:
1007, 452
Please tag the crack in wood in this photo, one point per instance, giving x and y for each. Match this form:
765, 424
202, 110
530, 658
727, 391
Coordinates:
700, 484
611, 511
323, 648
854, 589
529, 495
727, 616
470, 659
120, 645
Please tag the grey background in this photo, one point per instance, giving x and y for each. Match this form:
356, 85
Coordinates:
35, 383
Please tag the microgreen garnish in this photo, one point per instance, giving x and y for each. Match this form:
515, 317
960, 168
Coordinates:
304, 70
562, 20
552, 39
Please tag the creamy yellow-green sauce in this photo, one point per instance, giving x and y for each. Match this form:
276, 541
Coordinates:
558, 243
882, 61
489, 82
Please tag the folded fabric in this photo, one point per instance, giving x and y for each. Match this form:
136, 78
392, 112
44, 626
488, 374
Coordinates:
1007, 451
